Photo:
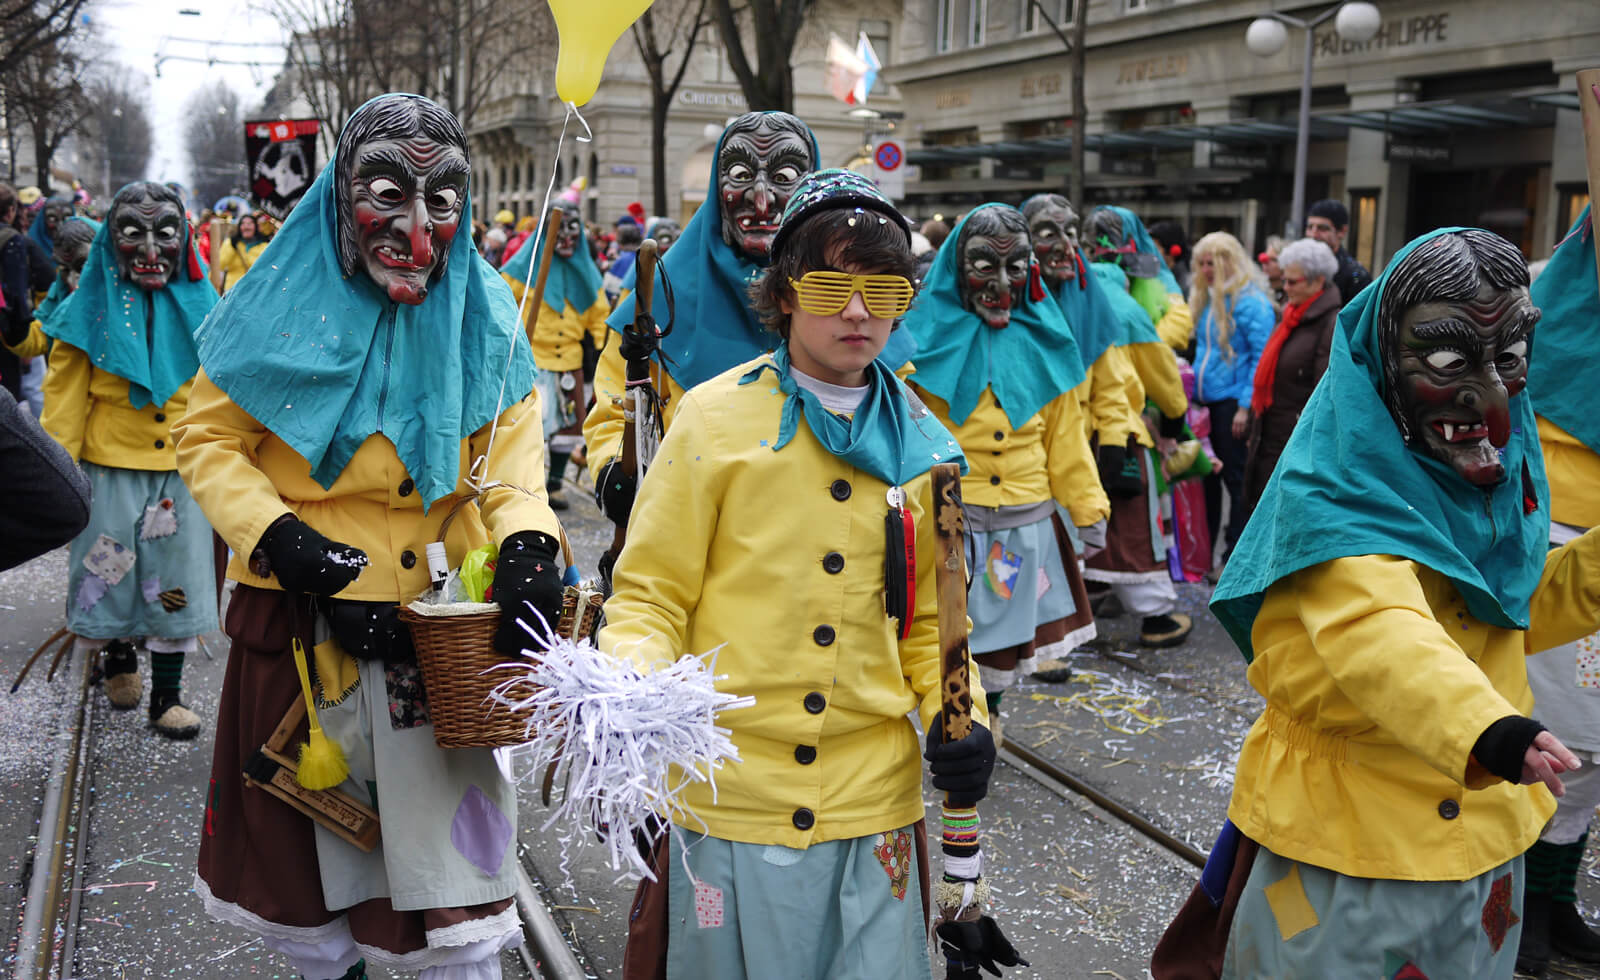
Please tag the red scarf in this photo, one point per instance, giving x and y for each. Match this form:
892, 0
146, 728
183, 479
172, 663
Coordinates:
1267, 369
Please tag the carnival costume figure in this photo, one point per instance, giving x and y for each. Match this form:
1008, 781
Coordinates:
1133, 563
46, 223
574, 310
1118, 235
768, 524
999, 365
72, 241
350, 385
1566, 679
239, 251
121, 366
1387, 593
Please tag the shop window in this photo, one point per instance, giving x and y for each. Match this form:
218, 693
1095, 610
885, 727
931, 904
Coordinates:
1572, 198
977, 22
944, 16
1363, 237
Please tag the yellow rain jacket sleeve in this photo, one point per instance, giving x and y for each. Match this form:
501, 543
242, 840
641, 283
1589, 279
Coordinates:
87, 411
1158, 373
1176, 327
773, 563
1116, 401
1573, 470
234, 261
244, 478
35, 344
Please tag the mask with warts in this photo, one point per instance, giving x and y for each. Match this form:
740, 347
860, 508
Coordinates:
1053, 229
758, 169
569, 234
406, 198
148, 236
994, 270
54, 215
71, 252
665, 233
1457, 365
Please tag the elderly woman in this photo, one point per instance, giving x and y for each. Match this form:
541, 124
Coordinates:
1294, 359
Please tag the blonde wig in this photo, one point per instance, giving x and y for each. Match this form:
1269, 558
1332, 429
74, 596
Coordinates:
1232, 273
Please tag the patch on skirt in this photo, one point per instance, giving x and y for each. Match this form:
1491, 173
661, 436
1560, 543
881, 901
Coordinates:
708, 912
894, 853
480, 832
160, 521
91, 590
108, 559
1589, 661
1001, 570
174, 599
1497, 915
1396, 966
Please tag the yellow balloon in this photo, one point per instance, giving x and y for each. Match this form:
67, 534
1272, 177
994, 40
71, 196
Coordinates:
588, 29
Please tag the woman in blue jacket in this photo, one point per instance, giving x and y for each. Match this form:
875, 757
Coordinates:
1233, 319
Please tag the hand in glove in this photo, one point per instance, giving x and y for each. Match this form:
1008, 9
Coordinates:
978, 943
1119, 469
305, 561
526, 573
960, 768
614, 491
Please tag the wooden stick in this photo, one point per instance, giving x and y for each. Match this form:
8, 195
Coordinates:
552, 225
1589, 106
950, 575
349, 818
37, 653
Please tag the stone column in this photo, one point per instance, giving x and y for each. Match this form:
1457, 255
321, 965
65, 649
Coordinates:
1366, 168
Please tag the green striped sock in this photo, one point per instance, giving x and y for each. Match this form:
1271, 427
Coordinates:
1564, 885
994, 704
558, 470
166, 674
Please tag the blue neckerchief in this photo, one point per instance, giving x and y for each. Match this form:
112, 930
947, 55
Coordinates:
1088, 311
574, 281
1027, 364
1346, 485
1135, 324
147, 338
325, 360
891, 435
1564, 369
713, 328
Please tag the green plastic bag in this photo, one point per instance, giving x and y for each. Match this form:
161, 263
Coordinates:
477, 571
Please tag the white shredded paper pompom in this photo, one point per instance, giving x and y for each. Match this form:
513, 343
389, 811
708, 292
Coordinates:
625, 742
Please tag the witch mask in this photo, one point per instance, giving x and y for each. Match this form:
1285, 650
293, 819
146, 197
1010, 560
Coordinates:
401, 189
1053, 228
148, 232
1455, 328
764, 155
994, 263
72, 250
1109, 241
55, 213
569, 234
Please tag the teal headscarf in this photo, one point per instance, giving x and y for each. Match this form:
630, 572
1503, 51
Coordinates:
713, 328
891, 435
1564, 373
1089, 313
58, 289
1347, 485
1133, 230
1135, 322
574, 281
147, 338
1027, 364
325, 360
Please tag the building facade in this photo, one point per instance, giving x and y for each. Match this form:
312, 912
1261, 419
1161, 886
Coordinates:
1457, 112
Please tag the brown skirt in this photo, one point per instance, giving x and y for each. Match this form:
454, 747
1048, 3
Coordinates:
1076, 628
1129, 553
258, 855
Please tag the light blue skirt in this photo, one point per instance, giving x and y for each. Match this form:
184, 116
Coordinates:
839, 910
1019, 583
1299, 920
144, 566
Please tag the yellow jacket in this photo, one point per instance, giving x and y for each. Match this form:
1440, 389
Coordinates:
87, 411
1378, 683
773, 561
1176, 327
1159, 376
234, 261
244, 478
602, 429
1573, 471
1048, 457
35, 344
1116, 401
557, 337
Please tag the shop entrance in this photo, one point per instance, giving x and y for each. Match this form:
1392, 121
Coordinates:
1501, 199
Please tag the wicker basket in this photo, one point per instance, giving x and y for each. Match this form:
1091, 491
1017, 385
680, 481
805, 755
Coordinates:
457, 654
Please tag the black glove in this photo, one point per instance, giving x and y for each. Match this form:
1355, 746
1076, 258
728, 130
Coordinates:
975, 944
1119, 470
371, 631
614, 491
960, 768
1502, 745
305, 561
526, 573
1171, 428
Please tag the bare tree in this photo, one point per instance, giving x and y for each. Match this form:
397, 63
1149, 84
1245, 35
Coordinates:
677, 29
27, 26
121, 101
773, 25
214, 137
45, 88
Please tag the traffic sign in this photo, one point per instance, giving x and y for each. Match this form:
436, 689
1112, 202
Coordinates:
888, 170
888, 155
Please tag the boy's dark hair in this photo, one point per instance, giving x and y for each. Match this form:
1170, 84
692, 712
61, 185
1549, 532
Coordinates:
1333, 210
842, 236
8, 198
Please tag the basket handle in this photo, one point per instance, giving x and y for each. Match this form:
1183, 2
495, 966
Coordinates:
475, 497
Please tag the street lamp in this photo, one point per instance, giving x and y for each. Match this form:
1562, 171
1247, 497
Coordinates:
1355, 20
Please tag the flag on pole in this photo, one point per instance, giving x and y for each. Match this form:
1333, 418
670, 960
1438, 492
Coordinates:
844, 70
869, 77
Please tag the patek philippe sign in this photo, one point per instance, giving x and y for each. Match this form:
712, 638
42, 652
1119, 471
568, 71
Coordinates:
1401, 151
1395, 32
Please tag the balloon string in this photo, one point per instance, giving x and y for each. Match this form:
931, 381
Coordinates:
477, 476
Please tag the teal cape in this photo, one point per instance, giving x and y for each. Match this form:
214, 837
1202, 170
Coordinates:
891, 434
713, 328
1027, 364
147, 338
324, 360
1135, 322
574, 281
1347, 485
1094, 322
1564, 369
40, 232
1133, 230
58, 289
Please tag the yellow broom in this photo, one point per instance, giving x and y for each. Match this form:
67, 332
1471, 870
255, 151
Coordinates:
322, 764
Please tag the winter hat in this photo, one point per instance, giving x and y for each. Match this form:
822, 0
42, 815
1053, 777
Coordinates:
825, 190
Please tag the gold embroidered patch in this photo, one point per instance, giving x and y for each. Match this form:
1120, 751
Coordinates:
1290, 907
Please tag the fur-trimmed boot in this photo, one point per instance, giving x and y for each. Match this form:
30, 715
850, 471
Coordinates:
120, 675
169, 716
1569, 934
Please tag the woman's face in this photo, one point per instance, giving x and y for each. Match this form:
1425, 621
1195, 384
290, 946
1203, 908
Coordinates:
1204, 264
1269, 265
247, 227
1297, 287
